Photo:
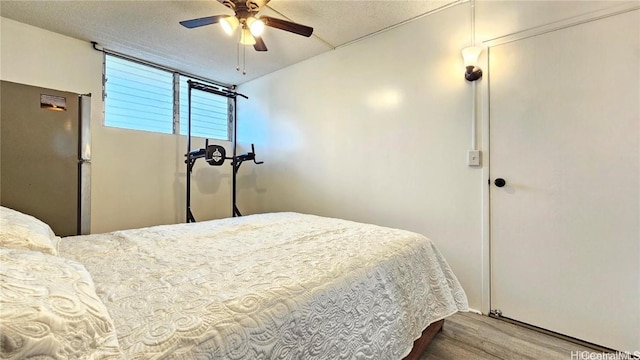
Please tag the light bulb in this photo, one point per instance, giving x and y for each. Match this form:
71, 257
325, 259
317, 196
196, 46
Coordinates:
229, 24
246, 38
470, 55
255, 25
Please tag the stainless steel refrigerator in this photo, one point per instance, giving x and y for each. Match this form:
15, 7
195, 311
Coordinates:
45, 155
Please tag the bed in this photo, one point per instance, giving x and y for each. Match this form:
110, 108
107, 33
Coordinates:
267, 286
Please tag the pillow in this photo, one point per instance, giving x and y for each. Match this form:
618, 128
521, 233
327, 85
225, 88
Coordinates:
49, 309
22, 231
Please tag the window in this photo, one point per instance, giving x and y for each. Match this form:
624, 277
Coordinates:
141, 97
209, 112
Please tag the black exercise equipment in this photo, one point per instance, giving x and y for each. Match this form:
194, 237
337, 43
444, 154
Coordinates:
215, 155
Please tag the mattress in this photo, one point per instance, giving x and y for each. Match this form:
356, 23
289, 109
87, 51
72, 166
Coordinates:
268, 286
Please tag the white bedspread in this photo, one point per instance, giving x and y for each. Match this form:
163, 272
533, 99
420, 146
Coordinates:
271, 286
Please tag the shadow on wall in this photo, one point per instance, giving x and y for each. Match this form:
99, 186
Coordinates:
180, 196
209, 185
249, 181
208, 180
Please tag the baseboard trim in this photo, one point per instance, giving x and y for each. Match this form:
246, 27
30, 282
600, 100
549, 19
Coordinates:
593, 346
476, 311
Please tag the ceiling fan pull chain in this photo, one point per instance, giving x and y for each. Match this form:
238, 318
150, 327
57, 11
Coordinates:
238, 55
244, 60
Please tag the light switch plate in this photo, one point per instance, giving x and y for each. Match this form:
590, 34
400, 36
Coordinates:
473, 158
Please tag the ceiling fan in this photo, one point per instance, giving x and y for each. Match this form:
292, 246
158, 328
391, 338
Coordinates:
251, 25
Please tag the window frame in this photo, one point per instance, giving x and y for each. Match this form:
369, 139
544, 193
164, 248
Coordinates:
176, 118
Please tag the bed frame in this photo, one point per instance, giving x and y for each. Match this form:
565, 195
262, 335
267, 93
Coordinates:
420, 345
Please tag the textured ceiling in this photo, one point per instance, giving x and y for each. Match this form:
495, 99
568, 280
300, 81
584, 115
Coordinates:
149, 30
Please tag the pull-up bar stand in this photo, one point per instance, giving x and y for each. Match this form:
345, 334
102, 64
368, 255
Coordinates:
215, 155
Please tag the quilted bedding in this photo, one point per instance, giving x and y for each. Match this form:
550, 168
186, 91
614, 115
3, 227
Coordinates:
270, 286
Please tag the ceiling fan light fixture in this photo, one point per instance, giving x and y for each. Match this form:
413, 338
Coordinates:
246, 38
229, 24
256, 26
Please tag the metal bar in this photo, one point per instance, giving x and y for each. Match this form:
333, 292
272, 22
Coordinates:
234, 209
210, 89
189, 215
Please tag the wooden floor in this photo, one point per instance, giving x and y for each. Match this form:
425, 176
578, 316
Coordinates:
474, 336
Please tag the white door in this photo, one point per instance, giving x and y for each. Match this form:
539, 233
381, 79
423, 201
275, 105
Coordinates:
564, 135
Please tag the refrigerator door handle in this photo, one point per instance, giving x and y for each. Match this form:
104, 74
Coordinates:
84, 166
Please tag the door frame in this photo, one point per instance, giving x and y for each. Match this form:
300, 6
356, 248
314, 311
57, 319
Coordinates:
485, 116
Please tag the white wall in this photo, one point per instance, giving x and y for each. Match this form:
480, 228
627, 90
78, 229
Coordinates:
378, 131
138, 178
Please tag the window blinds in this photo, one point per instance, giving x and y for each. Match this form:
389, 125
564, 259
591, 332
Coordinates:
209, 112
139, 97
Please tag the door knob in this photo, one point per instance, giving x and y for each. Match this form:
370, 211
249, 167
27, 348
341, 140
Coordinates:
499, 182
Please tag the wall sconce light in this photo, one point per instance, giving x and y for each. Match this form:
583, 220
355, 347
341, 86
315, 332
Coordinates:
470, 56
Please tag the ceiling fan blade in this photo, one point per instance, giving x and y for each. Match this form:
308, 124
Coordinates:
259, 45
194, 23
287, 26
